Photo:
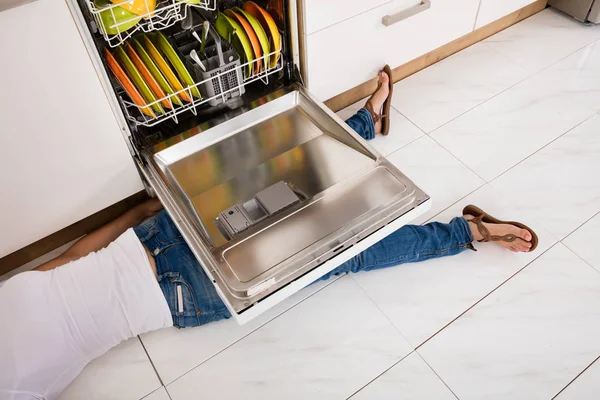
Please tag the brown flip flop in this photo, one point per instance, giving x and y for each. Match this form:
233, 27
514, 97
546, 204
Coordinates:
385, 123
480, 216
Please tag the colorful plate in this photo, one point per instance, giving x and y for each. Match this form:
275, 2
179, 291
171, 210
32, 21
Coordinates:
124, 80
268, 25
168, 50
230, 30
256, 49
260, 33
136, 77
145, 72
138, 7
165, 69
156, 74
115, 20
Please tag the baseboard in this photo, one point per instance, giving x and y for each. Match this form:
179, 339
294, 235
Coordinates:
71, 232
363, 90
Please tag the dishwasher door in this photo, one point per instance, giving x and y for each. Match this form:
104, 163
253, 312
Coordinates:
345, 196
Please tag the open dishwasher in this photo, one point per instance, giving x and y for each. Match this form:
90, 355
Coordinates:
270, 189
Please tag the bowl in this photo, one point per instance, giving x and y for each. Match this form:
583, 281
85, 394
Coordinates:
115, 19
138, 7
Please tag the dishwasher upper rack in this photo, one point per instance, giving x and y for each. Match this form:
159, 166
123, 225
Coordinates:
133, 112
166, 14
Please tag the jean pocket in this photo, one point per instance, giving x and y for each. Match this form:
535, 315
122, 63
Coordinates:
179, 294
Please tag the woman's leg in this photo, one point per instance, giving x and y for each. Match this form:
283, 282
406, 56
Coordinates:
412, 243
362, 121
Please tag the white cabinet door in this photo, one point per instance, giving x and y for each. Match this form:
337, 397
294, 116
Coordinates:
62, 154
319, 14
492, 10
351, 52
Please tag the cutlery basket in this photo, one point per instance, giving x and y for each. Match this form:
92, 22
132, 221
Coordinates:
223, 78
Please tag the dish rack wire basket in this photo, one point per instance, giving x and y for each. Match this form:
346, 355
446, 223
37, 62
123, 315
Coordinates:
166, 14
225, 82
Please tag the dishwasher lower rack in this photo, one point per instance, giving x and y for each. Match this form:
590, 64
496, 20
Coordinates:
160, 15
222, 88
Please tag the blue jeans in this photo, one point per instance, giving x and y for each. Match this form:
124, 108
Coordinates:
193, 300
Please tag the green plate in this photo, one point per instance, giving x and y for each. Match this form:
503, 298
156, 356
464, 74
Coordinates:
163, 44
231, 30
260, 33
162, 82
115, 15
137, 79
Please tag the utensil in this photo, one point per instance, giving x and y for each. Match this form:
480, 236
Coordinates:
205, 28
195, 57
195, 35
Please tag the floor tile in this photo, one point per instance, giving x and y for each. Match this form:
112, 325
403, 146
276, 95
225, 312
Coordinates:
328, 346
437, 172
584, 242
586, 386
542, 39
422, 298
559, 185
123, 373
453, 86
410, 379
528, 339
402, 131
160, 394
175, 351
501, 132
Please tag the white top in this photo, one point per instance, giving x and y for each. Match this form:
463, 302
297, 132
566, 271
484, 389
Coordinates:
55, 322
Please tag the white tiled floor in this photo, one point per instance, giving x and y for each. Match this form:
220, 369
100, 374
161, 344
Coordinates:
510, 124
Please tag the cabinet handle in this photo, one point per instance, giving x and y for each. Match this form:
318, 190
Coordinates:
402, 15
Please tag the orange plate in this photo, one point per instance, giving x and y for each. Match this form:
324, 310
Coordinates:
165, 69
154, 86
127, 84
268, 25
251, 35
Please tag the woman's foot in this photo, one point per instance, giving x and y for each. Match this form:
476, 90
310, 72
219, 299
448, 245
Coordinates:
521, 244
379, 97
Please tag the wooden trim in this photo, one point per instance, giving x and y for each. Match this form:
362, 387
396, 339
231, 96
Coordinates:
71, 232
363, 90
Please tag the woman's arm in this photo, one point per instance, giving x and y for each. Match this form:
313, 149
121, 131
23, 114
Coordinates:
103, 236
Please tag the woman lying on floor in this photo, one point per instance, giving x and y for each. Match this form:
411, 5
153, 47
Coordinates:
117, 282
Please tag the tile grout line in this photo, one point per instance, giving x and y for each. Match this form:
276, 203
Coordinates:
574, 379
578, 256
484, 297
151, 362
378, 376
543, 147
333, 280
436, 374
477, 16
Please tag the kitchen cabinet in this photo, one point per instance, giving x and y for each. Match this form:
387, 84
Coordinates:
63, 155
351, 52
492, 10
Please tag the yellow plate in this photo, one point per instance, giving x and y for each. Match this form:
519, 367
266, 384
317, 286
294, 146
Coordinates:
165, 69
137, 79
138, 7
260, 33
151, 65
169, 51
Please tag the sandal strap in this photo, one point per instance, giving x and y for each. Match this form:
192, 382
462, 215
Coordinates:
376, 117
478, 221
